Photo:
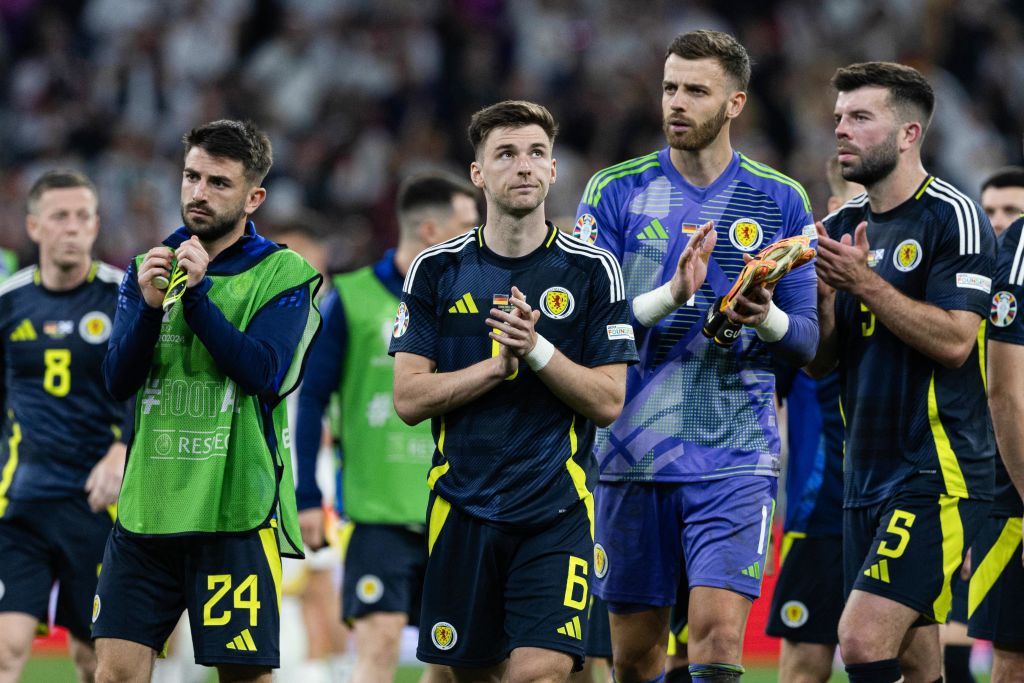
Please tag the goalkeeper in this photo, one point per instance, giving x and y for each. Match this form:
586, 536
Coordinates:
695, 452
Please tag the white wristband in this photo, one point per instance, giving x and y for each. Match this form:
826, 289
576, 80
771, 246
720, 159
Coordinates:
540, 354
649, 308
775, 324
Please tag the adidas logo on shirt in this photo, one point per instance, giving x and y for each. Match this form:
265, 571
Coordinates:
24, 332
464, 304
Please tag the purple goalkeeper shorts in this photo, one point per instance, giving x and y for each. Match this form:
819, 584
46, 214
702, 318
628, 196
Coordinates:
644, 530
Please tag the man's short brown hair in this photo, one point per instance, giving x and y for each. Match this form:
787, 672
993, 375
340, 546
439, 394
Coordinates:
237, 140
909, 91
704, 44
58, 179
510, 114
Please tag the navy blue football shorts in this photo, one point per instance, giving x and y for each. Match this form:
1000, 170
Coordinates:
996, 590
491, 589
908, 548
384, 569
44, 541
808, 597
230, 585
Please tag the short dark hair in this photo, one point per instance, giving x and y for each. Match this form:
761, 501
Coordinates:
510, 114
434, 189
58, 179
1008, 176
906, 86
703, 44
238, 140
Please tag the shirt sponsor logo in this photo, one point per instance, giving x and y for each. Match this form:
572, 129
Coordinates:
443, 635
974, 281
585, 229
875, 256
620, 332
95, 327
794, 614
907, 256
1004, 309
557, 303
746, 234
401, 321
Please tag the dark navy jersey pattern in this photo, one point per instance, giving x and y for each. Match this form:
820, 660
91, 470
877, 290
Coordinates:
814, 466
1006, 325
516, 455
59, 419
910, 422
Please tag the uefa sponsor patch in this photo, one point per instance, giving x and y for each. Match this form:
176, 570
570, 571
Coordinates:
746, 234
585, 229
1004, 309
557, 303
95, 327
810, 231
620, 332
401, 321
600, 561
907, 256
794, 614
443, 635
875, 256
974, 281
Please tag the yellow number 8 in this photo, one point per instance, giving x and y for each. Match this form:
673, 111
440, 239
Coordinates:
57, 378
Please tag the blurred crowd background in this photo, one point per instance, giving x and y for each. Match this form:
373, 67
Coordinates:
356, 94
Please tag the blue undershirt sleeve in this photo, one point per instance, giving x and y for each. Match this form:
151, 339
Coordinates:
132, 340
323, 377
796, 294
257, 359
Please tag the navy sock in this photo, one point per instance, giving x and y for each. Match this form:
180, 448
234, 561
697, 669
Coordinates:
678, 675
660, 678
883, 671
958, 664
715, 673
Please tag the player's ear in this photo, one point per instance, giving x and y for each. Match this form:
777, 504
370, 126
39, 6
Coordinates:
32, 228
910, 134
476, 176
257, 196
554, 169
735, 104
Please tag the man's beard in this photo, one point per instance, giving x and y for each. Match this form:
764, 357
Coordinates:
875, 164
217, 225
698, 137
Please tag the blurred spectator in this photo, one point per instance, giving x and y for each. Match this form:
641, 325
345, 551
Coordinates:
358, 95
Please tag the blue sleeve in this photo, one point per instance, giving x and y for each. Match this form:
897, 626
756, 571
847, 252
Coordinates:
322, 378
130, 349
257, 359
797, 294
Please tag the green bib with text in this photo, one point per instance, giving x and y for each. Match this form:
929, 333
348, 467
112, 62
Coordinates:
385, 460
206, 456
